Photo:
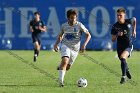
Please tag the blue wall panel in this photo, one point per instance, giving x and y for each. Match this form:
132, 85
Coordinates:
97, 15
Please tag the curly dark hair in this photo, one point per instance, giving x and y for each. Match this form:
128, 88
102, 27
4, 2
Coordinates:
71, 12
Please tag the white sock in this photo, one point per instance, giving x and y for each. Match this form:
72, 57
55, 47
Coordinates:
61, 75
124, 76
35, 55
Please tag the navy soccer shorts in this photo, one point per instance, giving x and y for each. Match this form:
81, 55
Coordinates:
129, 49
36, 38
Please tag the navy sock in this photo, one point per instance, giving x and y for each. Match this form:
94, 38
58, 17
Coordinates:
35, 52
124, 66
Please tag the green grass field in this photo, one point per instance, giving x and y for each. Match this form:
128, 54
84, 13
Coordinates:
25, 76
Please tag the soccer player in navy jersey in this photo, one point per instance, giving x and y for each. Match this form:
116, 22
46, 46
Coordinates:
124, 30
36, 27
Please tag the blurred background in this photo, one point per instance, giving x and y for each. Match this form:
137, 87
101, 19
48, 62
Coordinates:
97, 15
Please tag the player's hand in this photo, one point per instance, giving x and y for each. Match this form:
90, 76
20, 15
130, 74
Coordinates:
40, 28
82, 50
120, 33
134, 34
31, 29
45, 28
56, 48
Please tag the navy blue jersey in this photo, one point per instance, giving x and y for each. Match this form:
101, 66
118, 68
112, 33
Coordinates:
125, 40
35, 25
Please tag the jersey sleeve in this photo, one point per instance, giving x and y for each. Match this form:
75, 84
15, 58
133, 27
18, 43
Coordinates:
62, 29
113, 30
43, 24
132, 20
31, 23
83, 28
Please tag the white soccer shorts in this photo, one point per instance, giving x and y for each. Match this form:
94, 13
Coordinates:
66, 51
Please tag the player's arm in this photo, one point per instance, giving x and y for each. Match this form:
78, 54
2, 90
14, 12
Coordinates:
134, 27
59, 39
88, 36
114, 38
30, 27
44, 28
115, 33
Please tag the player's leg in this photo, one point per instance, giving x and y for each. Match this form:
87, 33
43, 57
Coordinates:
36, 50
123, 58
124, 66
34, 38
129, 50
38, 44
65, 54
62, 70
73, 56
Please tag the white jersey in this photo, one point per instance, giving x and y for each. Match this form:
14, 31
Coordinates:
72, 35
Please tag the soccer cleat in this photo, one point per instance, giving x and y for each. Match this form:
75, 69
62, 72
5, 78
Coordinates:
35, 58
58, 68
128, 74
123, 80
61, 84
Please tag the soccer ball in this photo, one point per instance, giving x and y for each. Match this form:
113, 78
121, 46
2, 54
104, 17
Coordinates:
82, 82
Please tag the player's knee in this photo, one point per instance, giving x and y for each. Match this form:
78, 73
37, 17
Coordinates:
37, 46
124, 56
64, 63
65, 60
63, 66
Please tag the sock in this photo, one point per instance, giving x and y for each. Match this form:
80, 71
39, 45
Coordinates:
36, 52
123, 66
124, 76
61, 75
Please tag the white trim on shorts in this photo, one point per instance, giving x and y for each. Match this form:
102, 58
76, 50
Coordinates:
130, 53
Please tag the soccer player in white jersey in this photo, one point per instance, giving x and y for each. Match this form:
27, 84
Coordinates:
69, 37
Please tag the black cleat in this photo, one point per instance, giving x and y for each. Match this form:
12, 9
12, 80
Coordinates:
35, 58
128, 74
61, 84
58, 68
123, 80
